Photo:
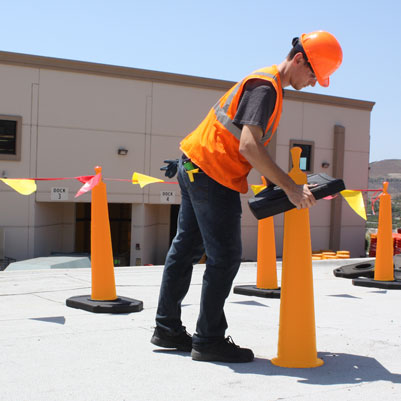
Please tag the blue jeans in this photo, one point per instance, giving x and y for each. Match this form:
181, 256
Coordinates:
209, 221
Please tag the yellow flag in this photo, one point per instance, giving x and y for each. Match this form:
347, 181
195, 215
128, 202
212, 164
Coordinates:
143, 180
355, 200
24, 187
257, 188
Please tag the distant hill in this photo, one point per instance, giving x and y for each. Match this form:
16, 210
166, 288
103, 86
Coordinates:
386, 170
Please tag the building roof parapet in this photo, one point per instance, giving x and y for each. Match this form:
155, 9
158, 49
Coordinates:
27, 60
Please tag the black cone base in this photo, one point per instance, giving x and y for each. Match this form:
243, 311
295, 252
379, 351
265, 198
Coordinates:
361, 269
252, 290
119, 305
368, 282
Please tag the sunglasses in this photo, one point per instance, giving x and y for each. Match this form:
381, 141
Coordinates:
308, 64
297, 45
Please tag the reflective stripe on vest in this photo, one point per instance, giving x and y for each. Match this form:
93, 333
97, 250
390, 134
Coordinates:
227, 122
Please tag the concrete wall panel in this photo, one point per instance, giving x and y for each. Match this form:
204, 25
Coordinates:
290, 122
93, 102
16, 90
177, 110
70, 153
353, 240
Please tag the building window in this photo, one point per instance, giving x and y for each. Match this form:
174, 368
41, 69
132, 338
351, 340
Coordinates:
307, 155
10, 137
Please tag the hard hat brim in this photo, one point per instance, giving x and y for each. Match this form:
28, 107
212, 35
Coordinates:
323, 82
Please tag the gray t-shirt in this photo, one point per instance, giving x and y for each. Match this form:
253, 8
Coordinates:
256, 104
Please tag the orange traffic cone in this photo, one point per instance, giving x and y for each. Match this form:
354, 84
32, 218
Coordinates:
266, 277
103, 283
384, 266
103, 298
297, 337
384, 269
266, 270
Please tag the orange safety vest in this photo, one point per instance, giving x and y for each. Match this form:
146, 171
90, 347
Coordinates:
214, 144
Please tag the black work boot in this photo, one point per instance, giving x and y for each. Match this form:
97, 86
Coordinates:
222, 351
180, 342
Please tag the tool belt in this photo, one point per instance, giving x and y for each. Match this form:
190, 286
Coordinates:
190, 167
172, 165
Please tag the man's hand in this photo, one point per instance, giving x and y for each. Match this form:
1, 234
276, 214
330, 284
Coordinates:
301, 196
256, 154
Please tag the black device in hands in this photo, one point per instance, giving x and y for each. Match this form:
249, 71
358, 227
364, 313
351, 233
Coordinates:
273, 200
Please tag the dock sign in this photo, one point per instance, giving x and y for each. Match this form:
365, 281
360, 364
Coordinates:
59, 194
167, 196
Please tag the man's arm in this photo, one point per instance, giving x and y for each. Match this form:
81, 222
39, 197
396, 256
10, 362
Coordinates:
251, 148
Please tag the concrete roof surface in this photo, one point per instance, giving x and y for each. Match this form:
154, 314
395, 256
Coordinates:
49, 351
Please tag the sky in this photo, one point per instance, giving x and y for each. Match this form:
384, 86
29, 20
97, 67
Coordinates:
224, 40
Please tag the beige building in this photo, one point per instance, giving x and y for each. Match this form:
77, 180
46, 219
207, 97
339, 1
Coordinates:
60, 118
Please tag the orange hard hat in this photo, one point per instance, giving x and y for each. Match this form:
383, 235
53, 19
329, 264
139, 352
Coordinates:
324, 54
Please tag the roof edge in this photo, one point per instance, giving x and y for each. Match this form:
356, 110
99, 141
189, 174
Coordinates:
52, 63
328, 100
